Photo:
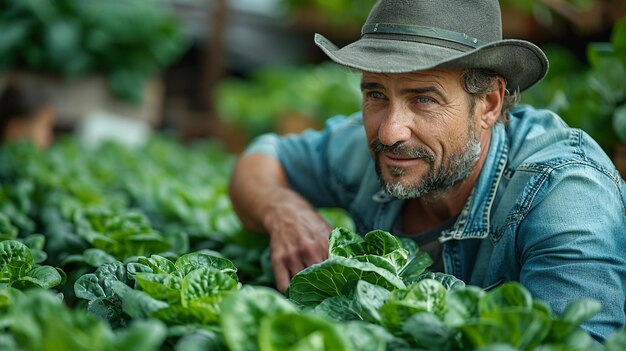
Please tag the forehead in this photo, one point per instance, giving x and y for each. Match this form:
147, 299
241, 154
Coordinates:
445, 79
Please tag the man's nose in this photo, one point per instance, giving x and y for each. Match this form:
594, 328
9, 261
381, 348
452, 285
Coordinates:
396, 126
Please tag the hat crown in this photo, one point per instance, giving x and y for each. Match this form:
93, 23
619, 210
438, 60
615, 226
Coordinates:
476, 18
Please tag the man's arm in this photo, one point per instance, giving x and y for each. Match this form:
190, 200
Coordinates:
571, 245
265, 203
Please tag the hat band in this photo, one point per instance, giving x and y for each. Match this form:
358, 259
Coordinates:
428, 32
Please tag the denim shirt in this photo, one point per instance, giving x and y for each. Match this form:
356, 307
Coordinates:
548, 209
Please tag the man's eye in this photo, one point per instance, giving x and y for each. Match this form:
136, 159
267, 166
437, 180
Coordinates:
424, 100
375, 95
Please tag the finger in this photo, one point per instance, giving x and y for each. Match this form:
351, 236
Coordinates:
324, 249
285, 267
295, 265
281, 275
312, 255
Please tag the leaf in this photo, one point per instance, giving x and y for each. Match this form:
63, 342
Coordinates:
96, 285
415, 266
378, 261
382, 243
14, 34
428, 333
242, 313
340, 238
201, 339
516, 326
505, 347
606, 80
449, 281
164, 287
192, 261
424, 296
206, 286
581, 310
361, 301
109, 309
619, 122
136, 303
35, 243
97, 257
7, 299
337, 217
339, 308
294, 331
62, 44
575, 314
141, 335
179, 315
314, 284
616, 342
7, 230
462, 305
598, 51
379, 243
110, 272
510, 294
40, 321
158, 264
133, 268
45, 277
88, 287
14, 251
360, 337
618, 38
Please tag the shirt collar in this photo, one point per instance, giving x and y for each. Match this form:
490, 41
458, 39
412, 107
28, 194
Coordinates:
473, 221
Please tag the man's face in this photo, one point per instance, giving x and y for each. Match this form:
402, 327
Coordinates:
422, 132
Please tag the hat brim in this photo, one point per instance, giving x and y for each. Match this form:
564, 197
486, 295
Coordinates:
521, 63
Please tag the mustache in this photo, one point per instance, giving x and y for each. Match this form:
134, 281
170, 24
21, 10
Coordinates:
400, 149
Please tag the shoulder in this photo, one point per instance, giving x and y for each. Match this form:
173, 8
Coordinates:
347, 139
551, 163
539, 138
347, 151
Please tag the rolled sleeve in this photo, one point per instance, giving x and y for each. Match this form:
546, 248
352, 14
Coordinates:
307, 158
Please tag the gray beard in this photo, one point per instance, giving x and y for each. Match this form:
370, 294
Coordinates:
437, 181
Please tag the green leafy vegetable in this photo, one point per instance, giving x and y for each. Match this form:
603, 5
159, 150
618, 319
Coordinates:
18, 268
37, 320
243, 313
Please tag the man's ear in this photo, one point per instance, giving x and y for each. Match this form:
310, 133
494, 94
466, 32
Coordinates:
492, 104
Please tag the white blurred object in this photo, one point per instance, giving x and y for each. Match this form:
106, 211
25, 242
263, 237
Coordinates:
101, 126
77, 97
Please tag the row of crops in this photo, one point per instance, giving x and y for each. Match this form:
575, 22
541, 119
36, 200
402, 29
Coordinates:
122, 248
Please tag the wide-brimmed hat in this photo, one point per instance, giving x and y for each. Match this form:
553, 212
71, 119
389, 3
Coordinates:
403, 36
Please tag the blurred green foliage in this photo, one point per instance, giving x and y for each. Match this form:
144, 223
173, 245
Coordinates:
338, 13
258, 102
535, 5
348, 14
588, 95
127, 41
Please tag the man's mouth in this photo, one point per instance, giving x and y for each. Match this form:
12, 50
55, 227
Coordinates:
402, 161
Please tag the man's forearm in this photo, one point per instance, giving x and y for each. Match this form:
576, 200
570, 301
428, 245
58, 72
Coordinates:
259, 189
265, 203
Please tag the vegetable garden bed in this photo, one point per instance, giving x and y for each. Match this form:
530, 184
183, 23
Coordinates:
120, 249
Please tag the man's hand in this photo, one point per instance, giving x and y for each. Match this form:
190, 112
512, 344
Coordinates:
298, 239
265, 203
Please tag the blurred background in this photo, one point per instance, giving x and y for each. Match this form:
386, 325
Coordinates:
228, 70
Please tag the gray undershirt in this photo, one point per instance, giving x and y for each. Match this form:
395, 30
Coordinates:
428, 241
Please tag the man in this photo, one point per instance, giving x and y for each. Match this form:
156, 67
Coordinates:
492, 194
26, 113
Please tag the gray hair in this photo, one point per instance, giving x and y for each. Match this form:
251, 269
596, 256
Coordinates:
478, 82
